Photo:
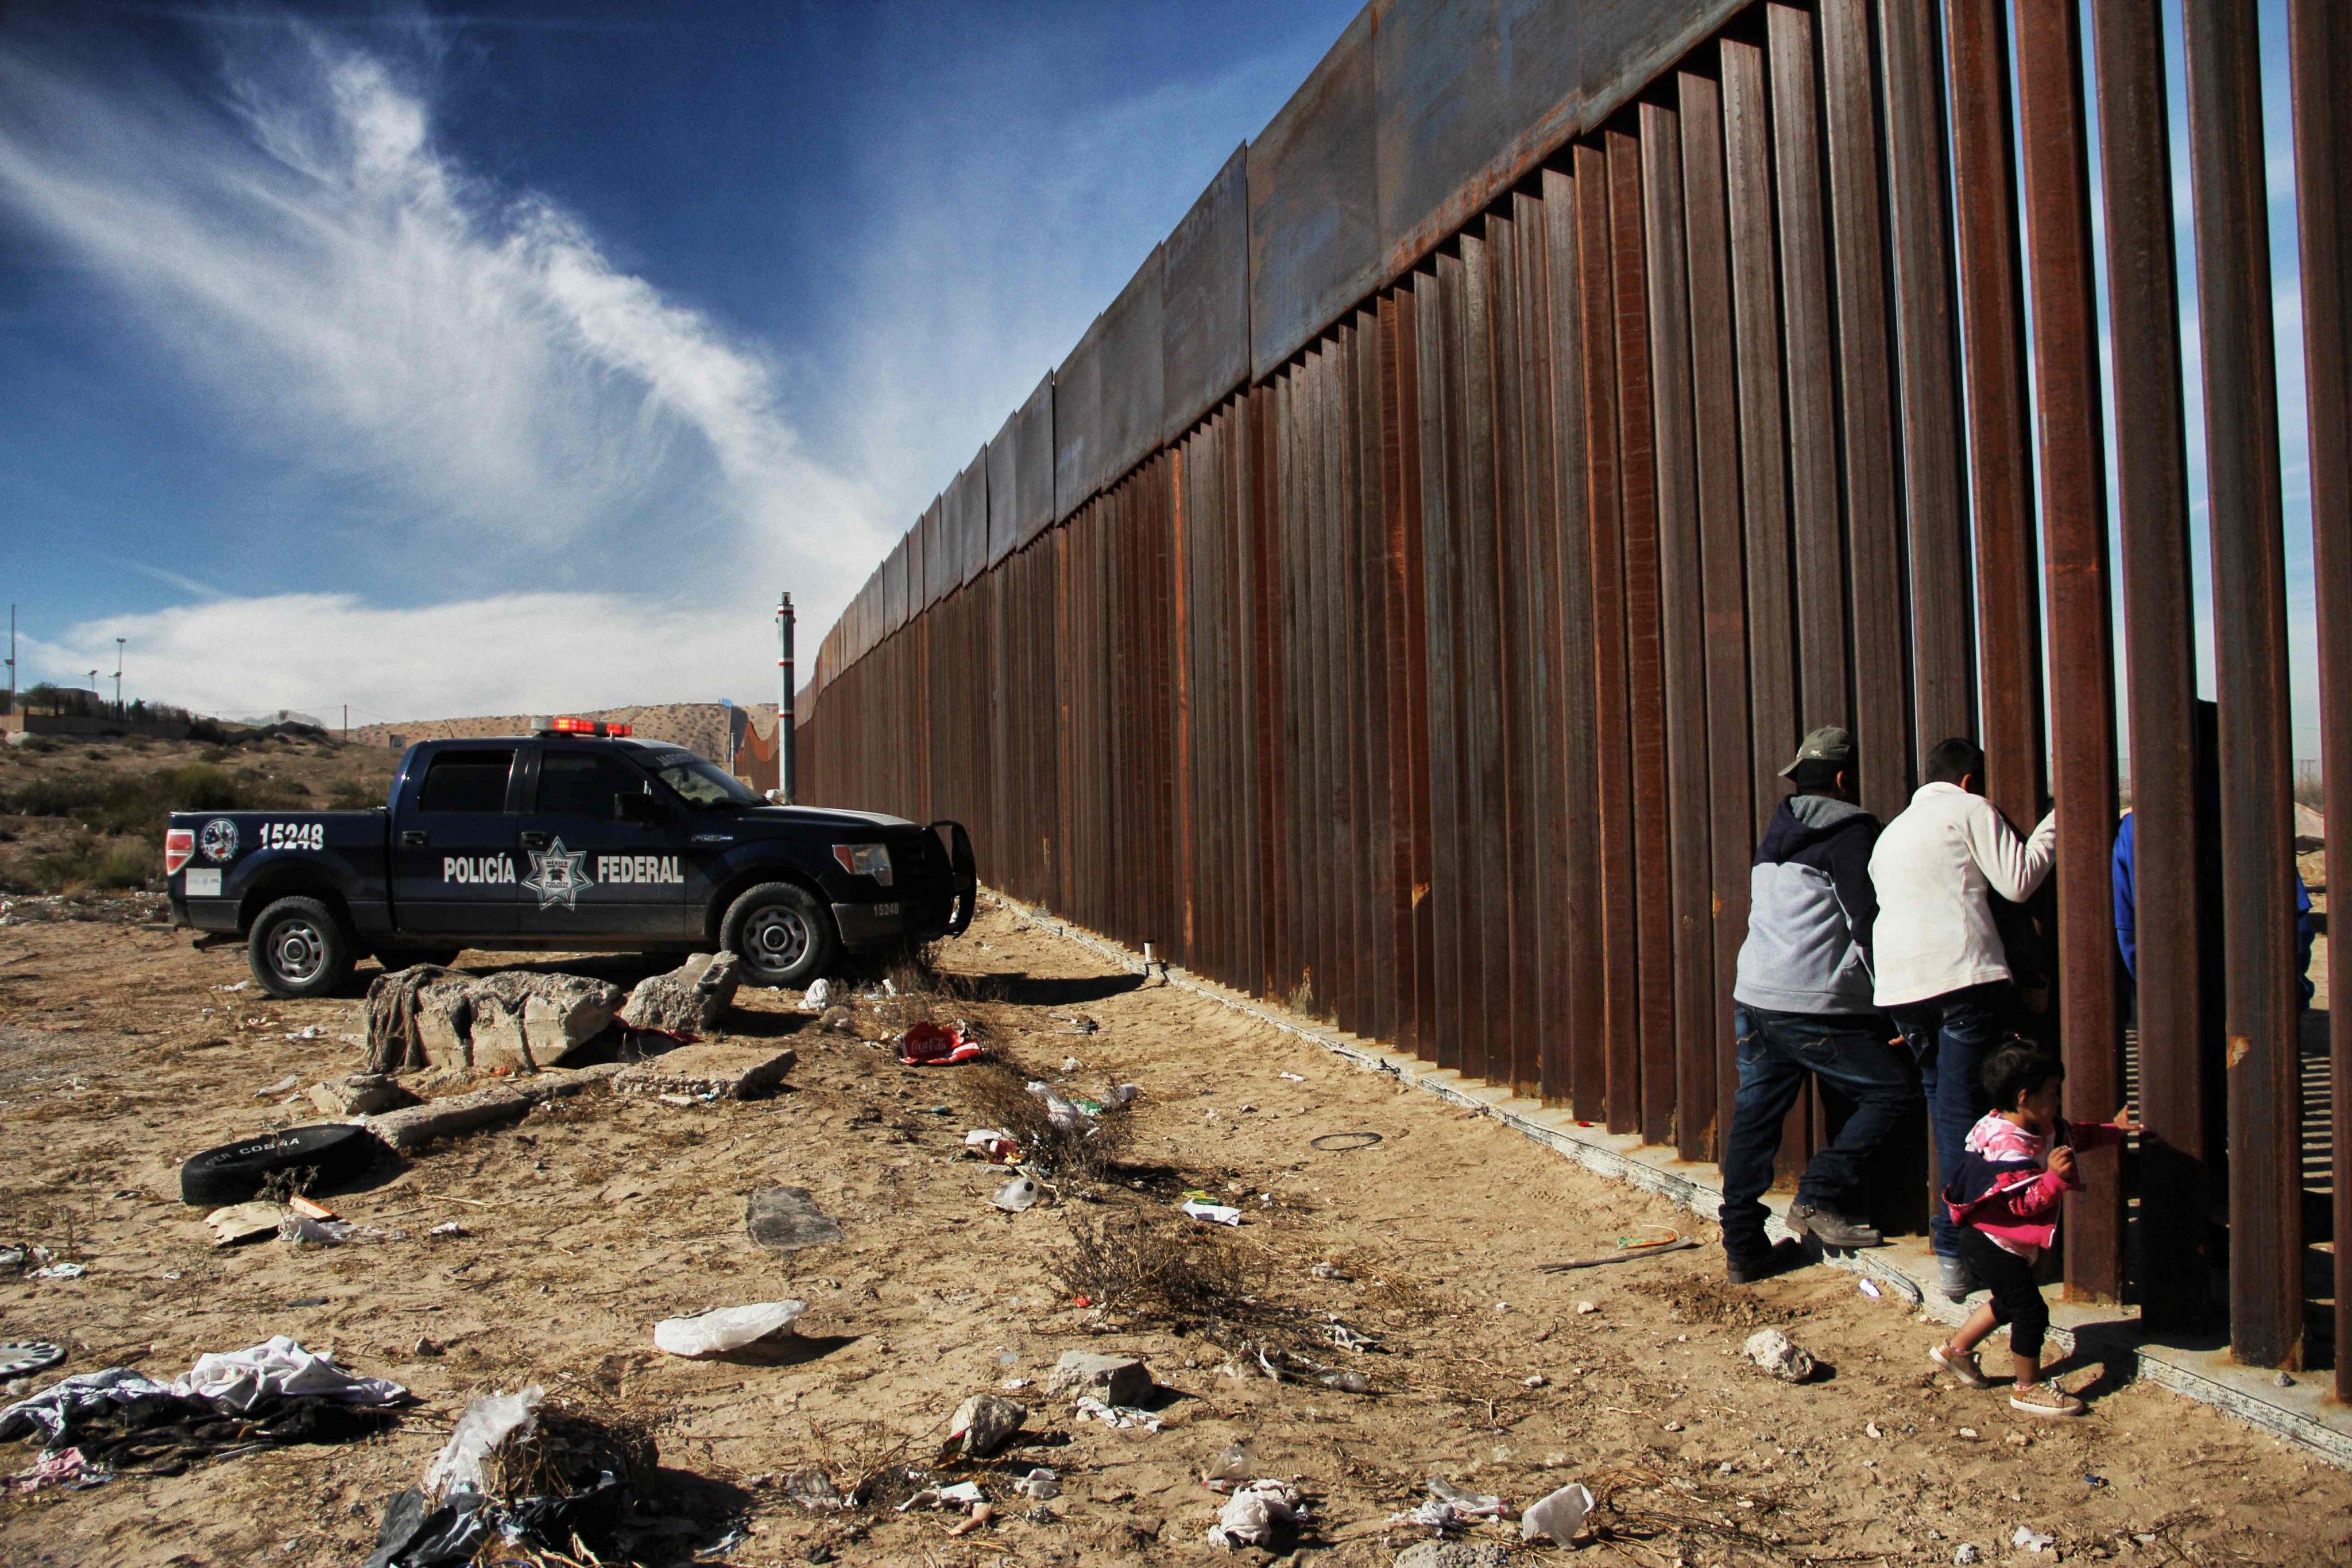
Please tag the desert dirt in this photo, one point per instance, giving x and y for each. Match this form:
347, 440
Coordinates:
124, 1050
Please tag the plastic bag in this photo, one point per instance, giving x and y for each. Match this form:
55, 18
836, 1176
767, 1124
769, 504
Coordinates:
724, 1329
489, 1420
1558, 1518
1017, 1194
928, 1045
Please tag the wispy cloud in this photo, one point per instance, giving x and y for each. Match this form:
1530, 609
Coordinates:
366, 307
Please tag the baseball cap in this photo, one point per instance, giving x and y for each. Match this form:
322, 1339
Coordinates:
1827, 744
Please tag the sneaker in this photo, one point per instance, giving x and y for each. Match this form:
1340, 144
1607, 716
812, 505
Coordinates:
1952, 1277
1831, 1229
2046, 1399
1783, 1257
1963, 1367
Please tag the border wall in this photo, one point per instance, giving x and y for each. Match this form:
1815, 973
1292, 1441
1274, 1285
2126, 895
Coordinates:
1400, 599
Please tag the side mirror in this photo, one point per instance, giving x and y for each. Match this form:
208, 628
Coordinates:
642, 808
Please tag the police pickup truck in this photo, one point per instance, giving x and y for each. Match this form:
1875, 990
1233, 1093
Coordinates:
576, 838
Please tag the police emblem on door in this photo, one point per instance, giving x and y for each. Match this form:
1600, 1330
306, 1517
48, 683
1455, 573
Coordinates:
556, 875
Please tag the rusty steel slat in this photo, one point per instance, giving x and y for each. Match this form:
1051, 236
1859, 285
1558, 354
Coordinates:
1186, 631
1810, 373
1943, 672
1059, 543
1249, 935
1378, 962
1337, 661
1765, 409
1515, 821
1584, 958
1400, 421
1320, 812
1485, 930
1763, 451
2074, 536
1266, 659
2224, 51
1866, 406
1554, 1000
1342, 658
2320, 61
1652, 901
2152, 504
1441, 569
1682, 633
1714, 401
1305, 778
1612, 760
1992, 345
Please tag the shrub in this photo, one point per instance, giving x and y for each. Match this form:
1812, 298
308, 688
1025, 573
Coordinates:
127, 863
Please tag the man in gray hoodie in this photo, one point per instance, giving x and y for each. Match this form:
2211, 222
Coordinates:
1804, 1011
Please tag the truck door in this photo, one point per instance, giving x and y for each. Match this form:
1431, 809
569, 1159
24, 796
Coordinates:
453, 847
601, 850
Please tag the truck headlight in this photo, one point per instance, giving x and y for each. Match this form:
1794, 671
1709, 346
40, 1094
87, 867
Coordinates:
864, 860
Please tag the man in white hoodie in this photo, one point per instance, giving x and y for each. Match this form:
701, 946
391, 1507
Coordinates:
1940, 969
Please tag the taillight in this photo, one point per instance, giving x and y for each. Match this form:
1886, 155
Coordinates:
179, 848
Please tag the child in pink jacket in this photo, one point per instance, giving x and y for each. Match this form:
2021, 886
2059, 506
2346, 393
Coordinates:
2017, 1168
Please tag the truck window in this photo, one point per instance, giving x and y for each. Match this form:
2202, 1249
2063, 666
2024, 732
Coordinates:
582, 784
701, 783
466, 781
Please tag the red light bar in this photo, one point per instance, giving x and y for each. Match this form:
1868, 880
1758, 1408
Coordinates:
568, 725
615, 729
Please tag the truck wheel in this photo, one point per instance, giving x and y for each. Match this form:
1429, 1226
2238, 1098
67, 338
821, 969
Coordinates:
782, 933
299, 948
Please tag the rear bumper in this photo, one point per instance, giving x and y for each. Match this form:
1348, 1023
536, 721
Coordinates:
204, 914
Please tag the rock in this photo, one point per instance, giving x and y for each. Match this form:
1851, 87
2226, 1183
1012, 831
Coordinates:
1454, 1554
1113, 1379
690, 999
786, 1219
517, 1021
359, 1094
716, 1070
985, 1423
1778, 1355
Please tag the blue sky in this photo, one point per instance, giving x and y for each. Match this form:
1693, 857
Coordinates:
512, 357
440, 362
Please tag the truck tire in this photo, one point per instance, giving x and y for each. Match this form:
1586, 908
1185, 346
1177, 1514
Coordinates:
783, 933
299, 948
331, 1152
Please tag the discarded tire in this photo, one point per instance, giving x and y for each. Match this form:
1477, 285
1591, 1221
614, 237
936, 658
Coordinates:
236, 1171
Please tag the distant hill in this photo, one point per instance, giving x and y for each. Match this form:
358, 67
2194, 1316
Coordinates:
704, 729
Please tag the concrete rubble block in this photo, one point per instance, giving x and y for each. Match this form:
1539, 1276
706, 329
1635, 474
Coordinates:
690, 999
1113, 1379
1454, 1554
445, 1022
359, 1094
985, 1423
722, 1070
1777, 1354
497, 1039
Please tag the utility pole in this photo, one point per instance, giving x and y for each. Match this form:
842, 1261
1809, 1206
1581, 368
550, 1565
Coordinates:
118, 677
347, 724
12, 658
784, 707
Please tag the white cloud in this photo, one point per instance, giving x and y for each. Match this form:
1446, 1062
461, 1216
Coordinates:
369, 310
513, 653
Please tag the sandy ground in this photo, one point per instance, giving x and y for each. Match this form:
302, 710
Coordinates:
119, 1054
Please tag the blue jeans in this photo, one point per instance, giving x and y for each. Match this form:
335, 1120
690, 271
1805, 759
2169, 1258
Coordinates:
1778, 1053
1951, 1035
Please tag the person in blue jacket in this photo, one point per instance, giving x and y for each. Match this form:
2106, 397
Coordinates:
2127, 910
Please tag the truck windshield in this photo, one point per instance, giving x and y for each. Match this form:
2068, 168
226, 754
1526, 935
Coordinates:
700, 783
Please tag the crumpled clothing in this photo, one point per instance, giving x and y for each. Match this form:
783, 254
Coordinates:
1254, 1515
279, 1367
53, 1407
62, 1466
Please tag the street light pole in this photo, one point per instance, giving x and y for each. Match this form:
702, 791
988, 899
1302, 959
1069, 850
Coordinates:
784, 708
118, 677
